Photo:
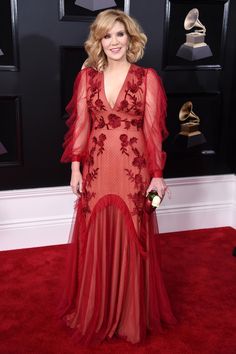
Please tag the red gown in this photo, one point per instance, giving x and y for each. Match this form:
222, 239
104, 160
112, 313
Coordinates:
114, 285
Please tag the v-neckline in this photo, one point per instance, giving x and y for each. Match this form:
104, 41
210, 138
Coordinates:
119, 93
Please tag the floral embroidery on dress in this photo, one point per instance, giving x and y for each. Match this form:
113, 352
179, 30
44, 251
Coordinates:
131, 102
124, 144
114, 121
138, 199
94, 87
140, 74
136, 177
133, 87
92, 172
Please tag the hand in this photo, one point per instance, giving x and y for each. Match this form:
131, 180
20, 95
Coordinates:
158, 184
76, 182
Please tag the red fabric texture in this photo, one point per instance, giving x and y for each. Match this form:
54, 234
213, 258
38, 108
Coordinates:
154, 128
140, 103
76, 138
114, 285
112, 288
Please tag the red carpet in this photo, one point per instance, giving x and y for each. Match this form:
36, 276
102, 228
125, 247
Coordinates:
200, 274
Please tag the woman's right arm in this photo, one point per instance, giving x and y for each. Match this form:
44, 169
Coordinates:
76, 138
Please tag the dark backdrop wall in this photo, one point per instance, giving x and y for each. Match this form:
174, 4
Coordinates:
46, 52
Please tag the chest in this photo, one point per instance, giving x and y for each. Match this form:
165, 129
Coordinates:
123, 95
112, 87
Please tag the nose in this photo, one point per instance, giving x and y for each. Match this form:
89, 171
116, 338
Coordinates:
114, 40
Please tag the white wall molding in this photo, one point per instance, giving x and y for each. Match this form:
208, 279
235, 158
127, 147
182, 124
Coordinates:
199, 202
42, 216
35, 217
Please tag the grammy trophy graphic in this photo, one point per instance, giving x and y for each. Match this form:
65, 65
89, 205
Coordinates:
95, 5
195, 47
189, 134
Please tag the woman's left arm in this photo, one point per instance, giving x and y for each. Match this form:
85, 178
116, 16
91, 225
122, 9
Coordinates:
155, 130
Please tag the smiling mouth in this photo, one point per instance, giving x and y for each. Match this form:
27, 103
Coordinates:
115, 50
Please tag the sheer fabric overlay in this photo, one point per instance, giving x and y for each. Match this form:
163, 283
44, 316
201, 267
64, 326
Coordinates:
113, 283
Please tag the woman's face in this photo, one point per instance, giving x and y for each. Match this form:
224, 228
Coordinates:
115, 43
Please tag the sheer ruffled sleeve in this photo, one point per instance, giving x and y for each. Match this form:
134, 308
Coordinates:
154, 123
76, 138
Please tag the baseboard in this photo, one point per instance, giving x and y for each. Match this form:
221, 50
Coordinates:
42, 216
199, 202
35, 217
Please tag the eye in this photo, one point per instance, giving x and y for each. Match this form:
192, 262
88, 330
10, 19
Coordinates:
120, 34
107, 36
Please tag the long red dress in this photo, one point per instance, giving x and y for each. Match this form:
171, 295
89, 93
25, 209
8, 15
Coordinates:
114, 285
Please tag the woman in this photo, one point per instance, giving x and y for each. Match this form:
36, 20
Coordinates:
116, 126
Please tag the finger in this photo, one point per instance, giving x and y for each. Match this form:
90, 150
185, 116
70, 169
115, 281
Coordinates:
162, 193
75, 190
81, 186
152, 188
77, 193
148, 190
164, 188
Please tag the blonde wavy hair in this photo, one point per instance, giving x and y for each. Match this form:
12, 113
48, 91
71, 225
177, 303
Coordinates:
104, 21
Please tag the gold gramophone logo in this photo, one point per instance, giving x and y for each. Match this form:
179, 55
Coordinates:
195, 47
189, 126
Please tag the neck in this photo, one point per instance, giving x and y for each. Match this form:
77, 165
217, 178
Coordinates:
117, 65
